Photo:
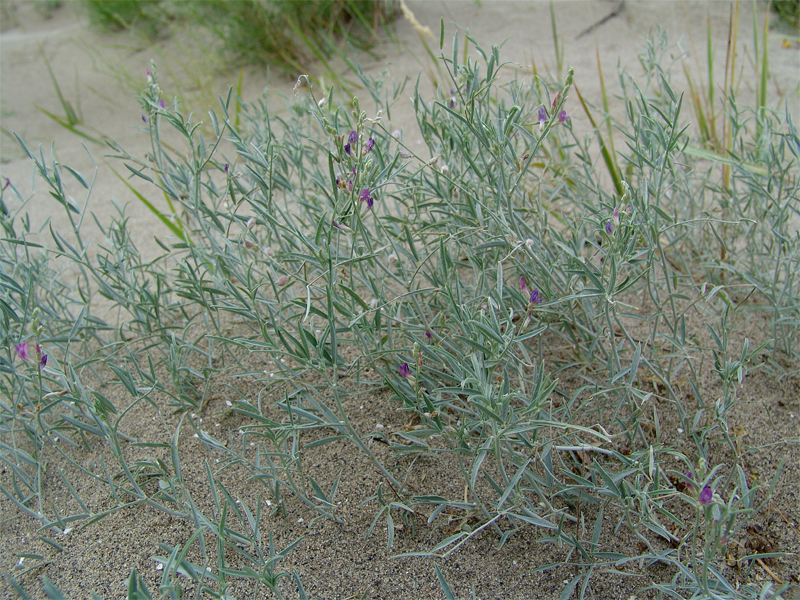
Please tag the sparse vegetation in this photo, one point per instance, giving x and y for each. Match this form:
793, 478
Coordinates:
532, 325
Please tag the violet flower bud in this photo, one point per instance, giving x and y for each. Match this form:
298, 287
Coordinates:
22, 350
366, 197
349, 147
404, 370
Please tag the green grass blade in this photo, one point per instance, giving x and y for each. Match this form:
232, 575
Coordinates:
176, 229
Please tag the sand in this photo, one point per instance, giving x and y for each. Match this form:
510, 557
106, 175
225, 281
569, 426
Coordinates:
101, 72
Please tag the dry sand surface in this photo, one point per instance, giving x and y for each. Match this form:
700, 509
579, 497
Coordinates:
102, 72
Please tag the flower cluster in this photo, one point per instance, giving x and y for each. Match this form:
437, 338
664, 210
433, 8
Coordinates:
352, 142
562, 118
22, 353
346, 185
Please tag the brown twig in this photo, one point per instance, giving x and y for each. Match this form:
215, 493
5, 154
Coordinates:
597, 24
769, 571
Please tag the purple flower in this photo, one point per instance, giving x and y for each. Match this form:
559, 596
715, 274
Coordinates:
556, 99
370, 145
227, 168
689, 476
43, 362
365, 197
162, 103
706, 496
404, 370
350, 145
542, 115
535, 297
609, 227
22, 350
429, 335
144, 118
563, 117
522, 285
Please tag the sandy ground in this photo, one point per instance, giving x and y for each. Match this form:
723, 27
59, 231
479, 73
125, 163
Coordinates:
100, 72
